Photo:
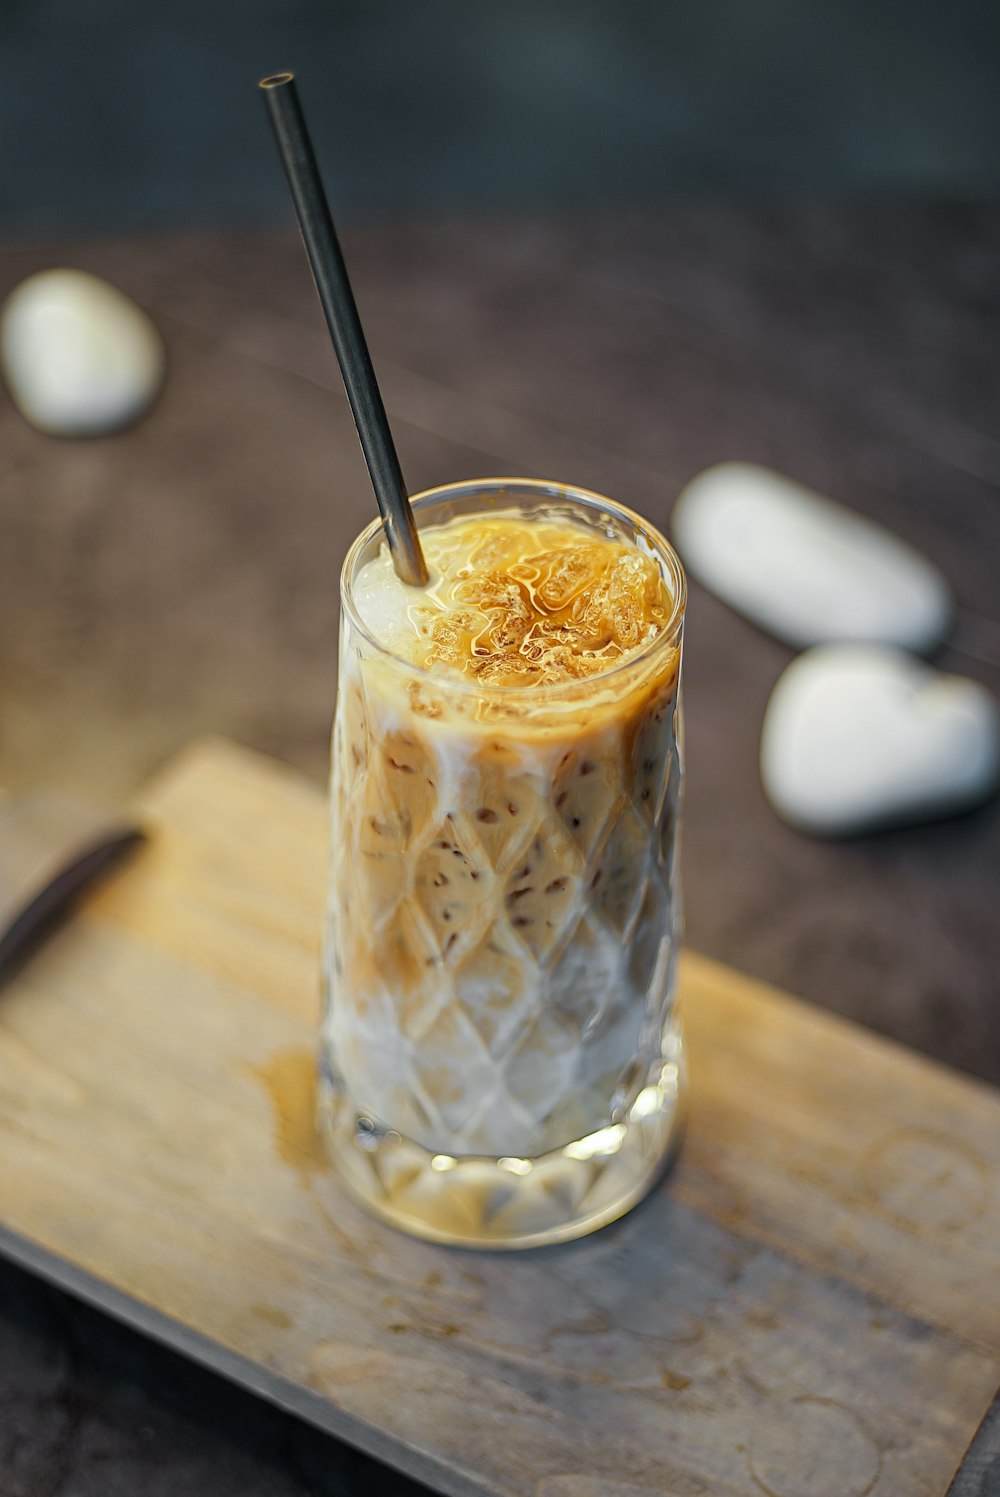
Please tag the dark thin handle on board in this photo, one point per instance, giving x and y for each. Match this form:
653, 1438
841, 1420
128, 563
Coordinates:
340, 310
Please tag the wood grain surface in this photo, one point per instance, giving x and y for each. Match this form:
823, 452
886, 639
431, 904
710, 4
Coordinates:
806, 1306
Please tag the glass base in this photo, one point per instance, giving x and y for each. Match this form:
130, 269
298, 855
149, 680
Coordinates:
474, 1201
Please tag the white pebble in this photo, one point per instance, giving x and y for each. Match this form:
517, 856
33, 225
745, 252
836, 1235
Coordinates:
862, 736
804, 568
79, 357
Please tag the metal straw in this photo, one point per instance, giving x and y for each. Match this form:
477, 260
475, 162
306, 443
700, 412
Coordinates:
340, 310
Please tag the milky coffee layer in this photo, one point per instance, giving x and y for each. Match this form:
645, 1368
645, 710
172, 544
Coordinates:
502, 914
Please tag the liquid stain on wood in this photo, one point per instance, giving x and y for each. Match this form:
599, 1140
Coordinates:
289, 1079
272, 1315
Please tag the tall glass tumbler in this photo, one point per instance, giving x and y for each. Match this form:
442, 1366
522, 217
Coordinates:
501, 1058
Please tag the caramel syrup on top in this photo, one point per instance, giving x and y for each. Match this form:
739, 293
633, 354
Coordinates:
514, 602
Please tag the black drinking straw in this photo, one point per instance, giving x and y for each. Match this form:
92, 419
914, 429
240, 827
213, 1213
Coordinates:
340, 310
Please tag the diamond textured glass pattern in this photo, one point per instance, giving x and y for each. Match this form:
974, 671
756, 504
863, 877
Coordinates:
502, 934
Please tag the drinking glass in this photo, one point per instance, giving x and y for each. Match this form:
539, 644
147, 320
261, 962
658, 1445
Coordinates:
501, 1060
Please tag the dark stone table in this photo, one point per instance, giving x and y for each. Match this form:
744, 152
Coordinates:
182, 578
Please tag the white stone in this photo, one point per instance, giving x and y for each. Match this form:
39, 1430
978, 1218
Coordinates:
862, 736
804, 568
79, 357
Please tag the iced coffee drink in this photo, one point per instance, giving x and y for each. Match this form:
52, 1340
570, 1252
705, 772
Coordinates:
500, 1048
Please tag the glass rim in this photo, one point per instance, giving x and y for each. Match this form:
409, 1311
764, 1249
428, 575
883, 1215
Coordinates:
541, 488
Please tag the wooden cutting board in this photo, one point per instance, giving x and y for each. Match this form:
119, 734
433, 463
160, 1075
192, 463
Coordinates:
807, 1307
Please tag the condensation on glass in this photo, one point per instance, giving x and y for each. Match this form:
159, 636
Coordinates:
501, 1059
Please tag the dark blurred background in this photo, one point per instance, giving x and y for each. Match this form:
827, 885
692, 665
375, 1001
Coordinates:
140, 113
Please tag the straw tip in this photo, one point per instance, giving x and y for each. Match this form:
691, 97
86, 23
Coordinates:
276, 80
